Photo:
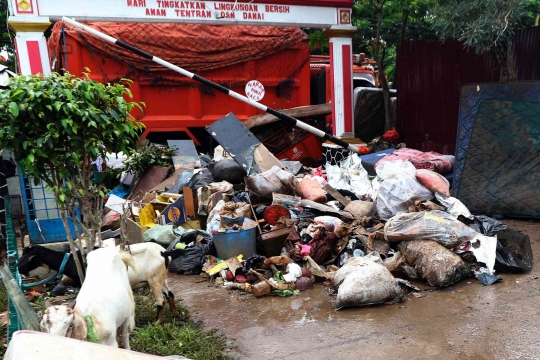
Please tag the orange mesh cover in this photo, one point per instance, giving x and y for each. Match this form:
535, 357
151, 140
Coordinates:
193, 47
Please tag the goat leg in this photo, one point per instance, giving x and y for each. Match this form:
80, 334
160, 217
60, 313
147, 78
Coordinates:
159, 314
172, 303
125, 334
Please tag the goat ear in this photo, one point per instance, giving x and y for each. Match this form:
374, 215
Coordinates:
24, 260
72, 306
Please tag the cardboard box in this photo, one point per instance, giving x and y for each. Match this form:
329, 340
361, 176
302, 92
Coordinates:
174, 213
134, 232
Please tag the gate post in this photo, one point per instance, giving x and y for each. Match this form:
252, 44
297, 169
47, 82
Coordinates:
342, 78
30, 43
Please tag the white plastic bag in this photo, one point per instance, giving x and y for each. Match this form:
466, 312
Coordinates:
395, 169
364, 281
294, 271
484, 249
399, 188
214, 218
428, 225
350, 175
454, 207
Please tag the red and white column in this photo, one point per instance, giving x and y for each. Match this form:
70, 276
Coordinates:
30, 43
342, 79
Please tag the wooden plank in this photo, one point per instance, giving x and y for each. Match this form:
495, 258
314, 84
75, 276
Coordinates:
190, 201
336, 195
265, 159
298, 112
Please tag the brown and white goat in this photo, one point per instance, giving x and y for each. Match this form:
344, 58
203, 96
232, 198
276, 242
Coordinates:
105, 301
150, 269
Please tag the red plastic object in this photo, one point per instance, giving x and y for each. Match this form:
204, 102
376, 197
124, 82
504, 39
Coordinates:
391, 136
364, 150
294, 144
274, 212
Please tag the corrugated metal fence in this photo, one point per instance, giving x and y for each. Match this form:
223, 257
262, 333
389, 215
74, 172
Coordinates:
527, 53
429, 77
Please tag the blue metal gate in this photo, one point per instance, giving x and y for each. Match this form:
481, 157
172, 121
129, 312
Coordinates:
42, 213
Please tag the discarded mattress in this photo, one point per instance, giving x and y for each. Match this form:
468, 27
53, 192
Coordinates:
442, 164
370, 160
501, 171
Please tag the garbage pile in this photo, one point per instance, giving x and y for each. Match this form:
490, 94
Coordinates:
280, 229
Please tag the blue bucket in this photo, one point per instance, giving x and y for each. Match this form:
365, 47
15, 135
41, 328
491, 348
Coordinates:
232, 244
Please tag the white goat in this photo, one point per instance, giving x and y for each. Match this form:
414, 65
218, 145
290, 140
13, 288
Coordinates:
150, 269
105, 300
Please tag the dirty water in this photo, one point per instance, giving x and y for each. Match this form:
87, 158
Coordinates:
467, 321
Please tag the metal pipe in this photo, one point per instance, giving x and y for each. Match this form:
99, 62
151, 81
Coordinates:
284, 117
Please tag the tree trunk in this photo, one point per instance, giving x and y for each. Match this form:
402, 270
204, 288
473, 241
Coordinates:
388, 122
404, 21
63, 215
382, 77
508, 69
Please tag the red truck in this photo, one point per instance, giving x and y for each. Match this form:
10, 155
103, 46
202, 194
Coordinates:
179, 108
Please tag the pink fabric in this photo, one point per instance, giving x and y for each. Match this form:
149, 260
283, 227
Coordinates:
305, 250
442, 164
433, 181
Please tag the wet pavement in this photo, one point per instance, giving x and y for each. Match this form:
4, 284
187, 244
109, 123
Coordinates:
467, 321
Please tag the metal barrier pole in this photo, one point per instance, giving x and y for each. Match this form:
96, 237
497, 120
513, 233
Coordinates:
280, 115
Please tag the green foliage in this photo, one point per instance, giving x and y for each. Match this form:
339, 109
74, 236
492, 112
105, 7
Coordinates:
147, 155
486, 25
6, 36
318, 42
174, 336
415, 13
57, 125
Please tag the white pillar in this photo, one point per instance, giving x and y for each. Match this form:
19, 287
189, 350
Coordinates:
342, 79
30, 44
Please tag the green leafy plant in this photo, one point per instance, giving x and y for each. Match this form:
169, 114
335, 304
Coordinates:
173, 337
147, 155
56, 127
486, 25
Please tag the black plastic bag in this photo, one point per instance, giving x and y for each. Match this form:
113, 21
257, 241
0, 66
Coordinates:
514, 252
240, 197
259, 211
227, 170
10, 168
202, 178
254, 262
190, 237
189, 260
488, 226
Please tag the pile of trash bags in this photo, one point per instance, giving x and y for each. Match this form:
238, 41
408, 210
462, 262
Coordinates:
366, 238
372, 236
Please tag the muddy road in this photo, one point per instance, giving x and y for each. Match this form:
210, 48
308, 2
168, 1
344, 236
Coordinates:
468, 321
